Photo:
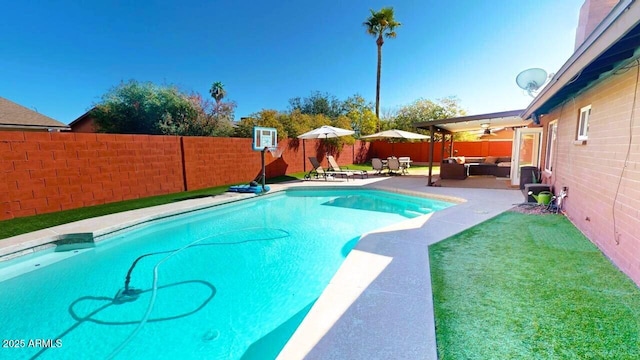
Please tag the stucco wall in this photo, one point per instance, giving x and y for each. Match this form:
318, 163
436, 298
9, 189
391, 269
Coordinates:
603, 174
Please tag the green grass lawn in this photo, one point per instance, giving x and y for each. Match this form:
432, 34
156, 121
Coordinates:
531, 287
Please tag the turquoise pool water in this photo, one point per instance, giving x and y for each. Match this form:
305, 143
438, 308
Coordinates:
239, 292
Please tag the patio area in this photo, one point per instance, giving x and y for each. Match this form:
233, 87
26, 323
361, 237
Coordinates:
477, 182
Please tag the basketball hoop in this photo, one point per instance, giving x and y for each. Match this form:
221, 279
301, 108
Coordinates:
276, 152
264, 139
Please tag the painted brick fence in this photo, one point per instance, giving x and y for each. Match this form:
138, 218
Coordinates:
47, 172
419, 152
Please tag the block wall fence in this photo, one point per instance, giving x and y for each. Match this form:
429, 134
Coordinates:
43, 172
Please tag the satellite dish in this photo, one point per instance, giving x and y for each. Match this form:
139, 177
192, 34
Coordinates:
531, 80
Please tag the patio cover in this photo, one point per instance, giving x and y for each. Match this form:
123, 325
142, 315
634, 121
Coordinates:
449, 126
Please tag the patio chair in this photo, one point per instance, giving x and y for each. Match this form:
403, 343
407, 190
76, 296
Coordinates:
318, 171
394, 166
333, 166
377, 165
405, 161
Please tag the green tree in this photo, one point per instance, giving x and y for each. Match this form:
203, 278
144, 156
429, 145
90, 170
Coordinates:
359, 111
379, 25
140, 108
265, 117
210, 120
217, 91
296, 123
318, 103
244, 128
425, 110
221, 113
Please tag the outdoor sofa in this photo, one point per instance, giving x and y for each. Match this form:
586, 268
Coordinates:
460, 167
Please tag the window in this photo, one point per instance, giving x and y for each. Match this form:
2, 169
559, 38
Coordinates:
552, 132
583, 122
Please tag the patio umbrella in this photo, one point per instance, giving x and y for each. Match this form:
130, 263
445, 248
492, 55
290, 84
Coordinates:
395, 134
325, 132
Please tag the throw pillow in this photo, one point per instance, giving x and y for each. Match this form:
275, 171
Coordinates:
460, 159
490, 160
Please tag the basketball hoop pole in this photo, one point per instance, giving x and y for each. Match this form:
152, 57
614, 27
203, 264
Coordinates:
264, 139
263, 166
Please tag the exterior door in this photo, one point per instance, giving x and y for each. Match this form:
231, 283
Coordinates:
525, 151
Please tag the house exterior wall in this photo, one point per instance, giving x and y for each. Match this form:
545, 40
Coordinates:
603, 174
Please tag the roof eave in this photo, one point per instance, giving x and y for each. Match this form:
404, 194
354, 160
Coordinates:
81, 117
32, 127
426, 124
622, 19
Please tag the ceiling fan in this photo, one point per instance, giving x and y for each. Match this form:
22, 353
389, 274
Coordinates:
487, 130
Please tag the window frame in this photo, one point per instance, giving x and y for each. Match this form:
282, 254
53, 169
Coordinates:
552, 136
583, 123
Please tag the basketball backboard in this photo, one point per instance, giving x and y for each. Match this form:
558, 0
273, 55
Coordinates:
264, 137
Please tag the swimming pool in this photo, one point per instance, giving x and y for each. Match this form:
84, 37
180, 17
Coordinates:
239, 292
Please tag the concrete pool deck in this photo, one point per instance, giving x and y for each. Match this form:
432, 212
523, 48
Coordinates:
379, 303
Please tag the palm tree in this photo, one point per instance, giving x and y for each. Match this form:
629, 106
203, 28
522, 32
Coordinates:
381, 24
217, 91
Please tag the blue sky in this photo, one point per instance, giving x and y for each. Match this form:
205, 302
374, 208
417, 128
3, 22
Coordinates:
60, 57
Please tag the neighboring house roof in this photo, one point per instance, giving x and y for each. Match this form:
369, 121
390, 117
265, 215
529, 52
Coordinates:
84, 123
16, 116
613, 44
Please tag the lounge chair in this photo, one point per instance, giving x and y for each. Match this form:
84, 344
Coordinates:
394, 166
333, 166
318, 171
377, 165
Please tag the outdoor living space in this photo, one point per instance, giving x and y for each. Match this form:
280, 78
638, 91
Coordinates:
386, 284
300, 212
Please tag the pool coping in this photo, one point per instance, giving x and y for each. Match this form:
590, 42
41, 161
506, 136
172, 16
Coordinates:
92, 229
378, 304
